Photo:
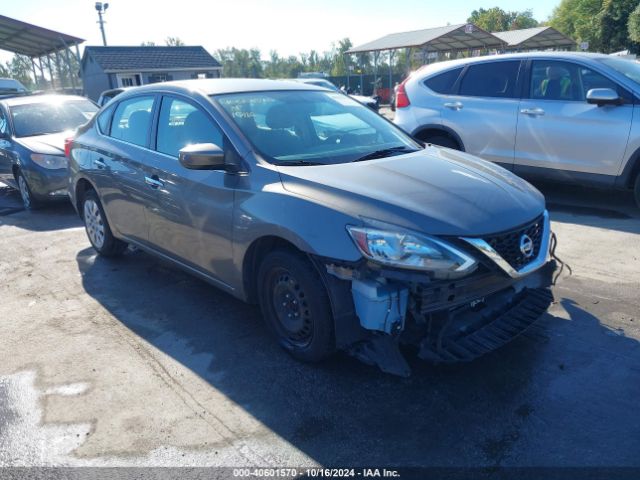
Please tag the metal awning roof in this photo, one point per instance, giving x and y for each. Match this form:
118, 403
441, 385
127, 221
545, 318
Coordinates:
31, 40
535, 38
440, 39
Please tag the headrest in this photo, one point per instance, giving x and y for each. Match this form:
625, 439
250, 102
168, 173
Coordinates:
279, 116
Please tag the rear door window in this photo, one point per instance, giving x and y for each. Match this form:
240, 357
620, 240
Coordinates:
132, 120
492, 79
443, 82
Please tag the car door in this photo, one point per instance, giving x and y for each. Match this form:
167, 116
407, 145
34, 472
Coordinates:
6, 152
191, 215
559, 131
484, 109
123, 191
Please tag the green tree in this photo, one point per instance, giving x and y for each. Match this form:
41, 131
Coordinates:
578, 20
19, 67
633, 25
613, 22
497, 20
174, 42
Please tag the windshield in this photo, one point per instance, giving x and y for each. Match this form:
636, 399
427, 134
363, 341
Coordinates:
298, 127
50, 117
628, 68
11, 85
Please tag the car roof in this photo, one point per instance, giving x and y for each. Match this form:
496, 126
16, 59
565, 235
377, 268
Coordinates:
439, 66
220, 86
38, 98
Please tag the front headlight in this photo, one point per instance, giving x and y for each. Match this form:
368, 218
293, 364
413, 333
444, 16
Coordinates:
412, 251
51, 162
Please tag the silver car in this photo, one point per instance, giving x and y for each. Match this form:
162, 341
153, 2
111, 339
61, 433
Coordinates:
566, 116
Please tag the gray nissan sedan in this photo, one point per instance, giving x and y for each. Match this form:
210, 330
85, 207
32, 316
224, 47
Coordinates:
346, 232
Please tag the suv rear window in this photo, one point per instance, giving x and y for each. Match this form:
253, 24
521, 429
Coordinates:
493, 79
444, 82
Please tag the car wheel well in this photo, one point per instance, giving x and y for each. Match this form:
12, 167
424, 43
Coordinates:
82, 187
634, 173
252, 259
428, 133
15, 169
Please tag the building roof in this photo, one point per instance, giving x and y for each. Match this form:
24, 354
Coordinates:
27, 39
117, 59
538, 37
439, 39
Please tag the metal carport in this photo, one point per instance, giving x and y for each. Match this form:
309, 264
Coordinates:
451, 38
538, 38
40, 44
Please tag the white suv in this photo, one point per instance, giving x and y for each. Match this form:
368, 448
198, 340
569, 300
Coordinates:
564, 116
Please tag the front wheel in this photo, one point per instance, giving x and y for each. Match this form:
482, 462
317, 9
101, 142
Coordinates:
28, 201
295, 305
97, 227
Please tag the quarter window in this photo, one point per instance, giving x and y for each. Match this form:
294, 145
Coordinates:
181, 124
104, 120
132, 119
444, 82
493, 79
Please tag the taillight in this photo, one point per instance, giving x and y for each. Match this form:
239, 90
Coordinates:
68, 142
402, 99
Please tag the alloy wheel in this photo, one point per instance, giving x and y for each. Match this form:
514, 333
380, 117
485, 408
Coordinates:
94, 223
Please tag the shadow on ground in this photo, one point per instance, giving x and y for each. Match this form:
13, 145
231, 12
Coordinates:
563, 394
52, 216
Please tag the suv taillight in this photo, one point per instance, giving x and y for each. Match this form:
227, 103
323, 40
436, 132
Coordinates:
402, 99
68, 142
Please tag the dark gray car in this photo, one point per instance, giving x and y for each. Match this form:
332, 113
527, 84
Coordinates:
347, 233
32, 134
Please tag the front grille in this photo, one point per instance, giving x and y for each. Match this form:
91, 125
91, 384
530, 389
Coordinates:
508, 244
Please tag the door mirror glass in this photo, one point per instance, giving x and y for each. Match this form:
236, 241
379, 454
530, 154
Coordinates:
603, 96
202, 156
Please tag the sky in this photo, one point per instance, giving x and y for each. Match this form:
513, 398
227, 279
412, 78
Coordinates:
288, 26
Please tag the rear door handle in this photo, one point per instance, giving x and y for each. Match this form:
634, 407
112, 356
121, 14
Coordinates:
154, 182
532, 111
454, 105
100, 163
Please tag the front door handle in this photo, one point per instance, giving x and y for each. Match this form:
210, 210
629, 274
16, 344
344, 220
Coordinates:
454, 105
154, 182
532, 111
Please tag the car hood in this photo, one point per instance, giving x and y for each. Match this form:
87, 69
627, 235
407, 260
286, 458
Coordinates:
436, 190
50, 144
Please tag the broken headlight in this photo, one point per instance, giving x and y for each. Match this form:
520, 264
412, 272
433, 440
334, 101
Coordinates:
412, 251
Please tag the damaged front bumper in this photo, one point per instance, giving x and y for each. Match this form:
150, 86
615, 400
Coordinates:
447, 320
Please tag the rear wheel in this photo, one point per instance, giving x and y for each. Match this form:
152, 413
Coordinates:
295, 305
443, 141
636, 190
97, 227
28, 200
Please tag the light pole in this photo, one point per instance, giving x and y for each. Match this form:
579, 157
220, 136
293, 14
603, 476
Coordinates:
101, 8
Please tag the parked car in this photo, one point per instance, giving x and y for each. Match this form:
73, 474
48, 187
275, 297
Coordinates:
106, 96
344, 230
563, 116
32, 134
10, 87
372, 102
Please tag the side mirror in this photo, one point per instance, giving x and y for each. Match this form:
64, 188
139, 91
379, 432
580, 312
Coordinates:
202, 156
603, 96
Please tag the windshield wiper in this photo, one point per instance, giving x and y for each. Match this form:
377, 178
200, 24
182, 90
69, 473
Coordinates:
298, 163
385, 152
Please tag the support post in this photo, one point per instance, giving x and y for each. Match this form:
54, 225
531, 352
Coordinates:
35, 74
53, 82
60, 73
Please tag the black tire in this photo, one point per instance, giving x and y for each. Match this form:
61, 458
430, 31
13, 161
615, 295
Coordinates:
636, 190
95, 221
295, 305
443, 141
28, 200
